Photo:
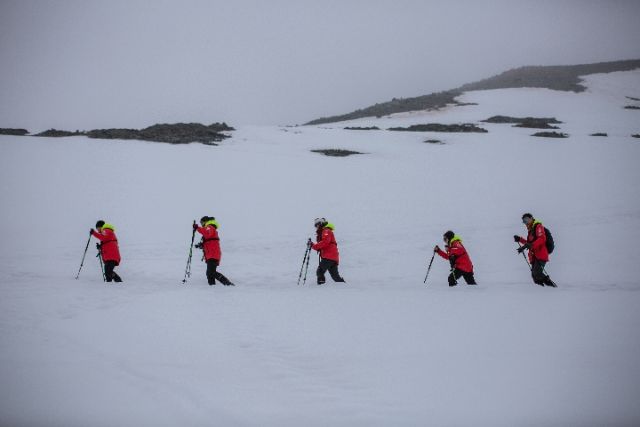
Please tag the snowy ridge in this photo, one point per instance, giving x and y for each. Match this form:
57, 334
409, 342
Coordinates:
382, 350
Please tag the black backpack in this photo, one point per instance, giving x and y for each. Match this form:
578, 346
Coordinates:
549, 243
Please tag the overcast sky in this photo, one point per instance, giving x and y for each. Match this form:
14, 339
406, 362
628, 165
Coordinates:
90, 64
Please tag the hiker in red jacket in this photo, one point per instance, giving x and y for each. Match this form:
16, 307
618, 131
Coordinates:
210, 244
328, 247
108, 248
458, 257
536, 243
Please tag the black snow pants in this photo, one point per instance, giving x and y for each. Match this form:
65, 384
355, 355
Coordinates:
457, 273
213, 274
109, 274
538, 274
332, 267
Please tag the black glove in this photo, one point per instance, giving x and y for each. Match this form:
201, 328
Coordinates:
452, 261
198, 245
91, 231
436, 249
516, 238
521, 249
195, 226
309, 242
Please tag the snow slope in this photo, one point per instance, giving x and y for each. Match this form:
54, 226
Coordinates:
382, 350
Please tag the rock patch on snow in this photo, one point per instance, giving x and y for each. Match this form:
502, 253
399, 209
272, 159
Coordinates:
55, 133
437, 127
15, 132
362, 128
176, 133
551, 134
336, 152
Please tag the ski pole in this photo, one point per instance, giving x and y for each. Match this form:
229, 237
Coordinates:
83, 255
187, 270
304, 260
306, 269
99, 256
429, 268
525, 257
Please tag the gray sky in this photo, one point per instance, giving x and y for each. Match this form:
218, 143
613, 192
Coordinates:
82, 64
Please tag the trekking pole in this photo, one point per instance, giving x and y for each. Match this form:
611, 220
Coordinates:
99, 256
306, 269
83, 255
304, 260
187, 270
429, 268
525, 257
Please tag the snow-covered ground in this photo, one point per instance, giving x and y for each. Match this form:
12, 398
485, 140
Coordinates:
383, 349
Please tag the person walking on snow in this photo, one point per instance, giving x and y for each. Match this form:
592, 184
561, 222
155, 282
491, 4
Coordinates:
108, 248
458, 257
210, 244
328, 247
536, 244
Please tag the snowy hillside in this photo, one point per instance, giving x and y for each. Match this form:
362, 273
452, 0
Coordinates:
383, 349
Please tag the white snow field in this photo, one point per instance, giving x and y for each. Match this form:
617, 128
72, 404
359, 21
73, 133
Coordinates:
382, 350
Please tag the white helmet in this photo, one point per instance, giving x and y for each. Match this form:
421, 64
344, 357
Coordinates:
319, 221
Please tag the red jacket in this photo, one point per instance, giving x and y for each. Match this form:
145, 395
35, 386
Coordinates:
109, 244
210, 241
327, 245
456, 250
538, 241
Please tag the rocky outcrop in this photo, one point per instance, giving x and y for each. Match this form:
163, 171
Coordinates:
55, 133
178, 133
551, 135
335, 152
437, 127
16, 132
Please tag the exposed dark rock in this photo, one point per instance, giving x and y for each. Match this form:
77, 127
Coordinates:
632, 98
563, 77
636, 135
55, 133
535, 125
432, 101
433, 141
336, 152
632, 107
599, 134
178, 133
437, 127
362, 128
16, 132
508, 119
551, 134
